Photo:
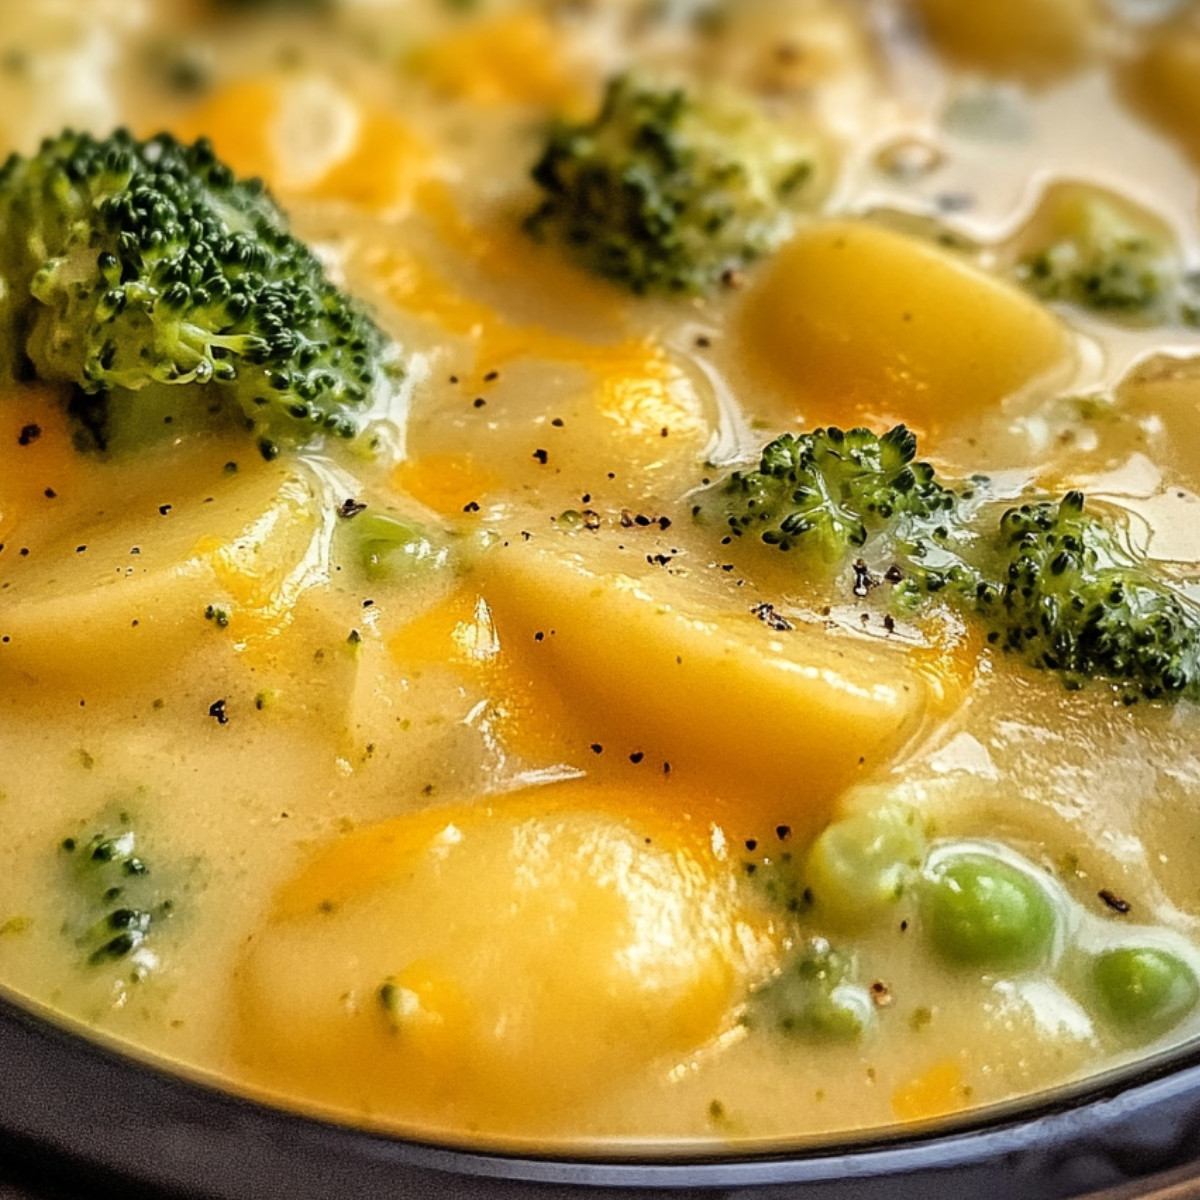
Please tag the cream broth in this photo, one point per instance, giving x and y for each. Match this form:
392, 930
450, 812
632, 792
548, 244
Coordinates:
499, 831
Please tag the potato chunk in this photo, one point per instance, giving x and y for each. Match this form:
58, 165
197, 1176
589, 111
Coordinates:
92, 594
1164, 82
772, 723
487, 965
1029, 39
856, 322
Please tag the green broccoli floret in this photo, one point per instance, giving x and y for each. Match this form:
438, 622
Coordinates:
120, 901
1097, 255
664, 192
1045, 580
829, 494
1071, 599
129, 267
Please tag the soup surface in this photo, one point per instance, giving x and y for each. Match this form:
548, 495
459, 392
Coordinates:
474, 777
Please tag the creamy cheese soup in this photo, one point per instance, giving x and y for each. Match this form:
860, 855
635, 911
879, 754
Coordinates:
485, 776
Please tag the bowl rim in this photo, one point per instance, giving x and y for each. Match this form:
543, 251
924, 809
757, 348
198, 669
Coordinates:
82, 1108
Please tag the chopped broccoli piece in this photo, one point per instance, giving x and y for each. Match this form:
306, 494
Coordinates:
664, 192
387, 547
1071, 599
826, 494
120, 899
814, 999
1097, 255
130, 268
1046, 580
829, 489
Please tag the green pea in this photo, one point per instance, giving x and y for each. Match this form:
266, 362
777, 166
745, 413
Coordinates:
981, 910
1144, 989
863, 864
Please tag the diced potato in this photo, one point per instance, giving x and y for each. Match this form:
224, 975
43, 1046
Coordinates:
858, 323
97, 595
773, 724
491, 962
1158, 414
1164, 82
1029, 39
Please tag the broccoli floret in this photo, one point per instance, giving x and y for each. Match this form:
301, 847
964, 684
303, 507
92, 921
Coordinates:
120, 901
129, 267
828, 493
1071, 599
665, 192
1096, 255
1045, 580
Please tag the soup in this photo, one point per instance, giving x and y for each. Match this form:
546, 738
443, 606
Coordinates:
733, 685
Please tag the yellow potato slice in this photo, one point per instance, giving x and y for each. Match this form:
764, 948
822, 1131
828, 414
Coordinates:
487, 965
855, 322
772, 724
1164, 82
1035, 40
92, 594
